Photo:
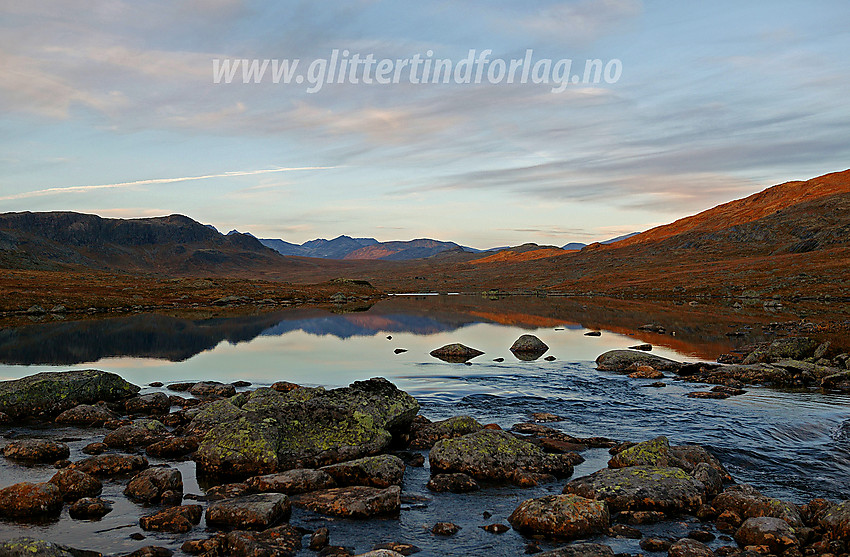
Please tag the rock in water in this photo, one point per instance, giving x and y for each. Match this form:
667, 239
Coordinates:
31, 547
177, 520
646, 488
775, 533
30, 500
74, 484
52, 392
621, 360
495, 455
250, 512
456, 353
580, 550
149, 485
686, 547
36, 450
746, 502
836, 521
86, 415
561, 516
528, 347
352, 502
424, 436
300, 480
376, 471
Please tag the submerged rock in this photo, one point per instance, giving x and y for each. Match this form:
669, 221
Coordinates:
621, 360
445, 529
36, 450
650, 488
250, 512
561, 516
30, 500
496, 455
352, 502
424, 436
52, 392
376, 471
456, 353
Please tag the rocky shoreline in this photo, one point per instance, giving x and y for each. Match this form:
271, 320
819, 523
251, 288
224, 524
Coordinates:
345, 453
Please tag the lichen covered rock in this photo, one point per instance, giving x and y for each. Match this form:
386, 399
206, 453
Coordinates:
561, 516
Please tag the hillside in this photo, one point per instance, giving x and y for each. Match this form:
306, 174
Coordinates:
346, 247
400, 251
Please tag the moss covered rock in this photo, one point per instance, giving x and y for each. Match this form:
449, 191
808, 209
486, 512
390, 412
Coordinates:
31, 547
51, 392
496, 455
425, 435
561, 516
747, 502
376, 471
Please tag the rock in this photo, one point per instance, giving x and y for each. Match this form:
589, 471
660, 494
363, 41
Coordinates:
180, 387
94, 448
227, 491
74, 484
399, 350
36, 450
424, 436
703, 536
644, 347
545, 417
30, 500
550, 358
377, 553
89, 508
352, 502
655, 544
836, 521
250, 512
456, 353
651, 488
746, 502
686, 547
454, 483
155, 384
445, 529
300, 480
561, 516
646, 372
624, 531
652, 328
495, 528
285, 386
319, 539
173, 447
708, 395
151, 551
206, 389
593, 334
86, 415
398, 547
149, 485
152, 403
620, 360
176, 520
775, 533
836, 382
655, 452
52, 392
280, 541
300, 429
140, 433
109, 465
793, 348
495, 455
710, 477
241, 384
580, 550
528, 347
641, 517
31, 547
376, 471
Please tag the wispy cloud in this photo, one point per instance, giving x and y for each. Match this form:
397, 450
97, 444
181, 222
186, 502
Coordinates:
136, 183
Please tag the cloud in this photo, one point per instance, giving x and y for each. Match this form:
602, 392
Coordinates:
580, 21
136, 183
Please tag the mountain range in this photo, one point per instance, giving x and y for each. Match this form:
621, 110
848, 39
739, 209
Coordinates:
346, 247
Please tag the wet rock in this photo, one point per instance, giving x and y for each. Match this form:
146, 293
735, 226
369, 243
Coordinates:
299, 480
710, 477
52, 392
689, 457
641, 517
94, 448
813, 511
655, 544
593, 334
398, 547
155, 384
624, 531
140, 433
280, 541
250, 512
794, 348
424, 436
495, 455
108, 465
89, 508
686, 547
31, 547
376, 553
836, 521
410, 458
285, 386
651, 488
655, 452
495, 528
303, 428
645, 372
580, 550
708, 395
176, 520
36, 450
561, 516
352, 502
376, 471
620, 360
30, 500
454, 483
775, 533
445, 529
644, 347
74, 484
152, 403
456, 353
148, 486
86, 415
528, 347
836, 382
562, 447
703, 536
227, 491
319, 539
206, 389
745, 501
728, 521
545, 417
173, 447
151, 551
180, 387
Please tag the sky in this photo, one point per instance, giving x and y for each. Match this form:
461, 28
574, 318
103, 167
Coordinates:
112, 107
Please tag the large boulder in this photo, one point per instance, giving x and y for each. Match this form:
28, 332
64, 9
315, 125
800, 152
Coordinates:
376, 471
352, 502
528, 347
496, 455
30, 500
304, 428
299, 480
622, 360
250, 512
641, 488
658, 452
52, 392
74, 484
561, 516
36, 450
424, 436
456, 353
32, 547
747, 502
150, 485
140, 433
775, 533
